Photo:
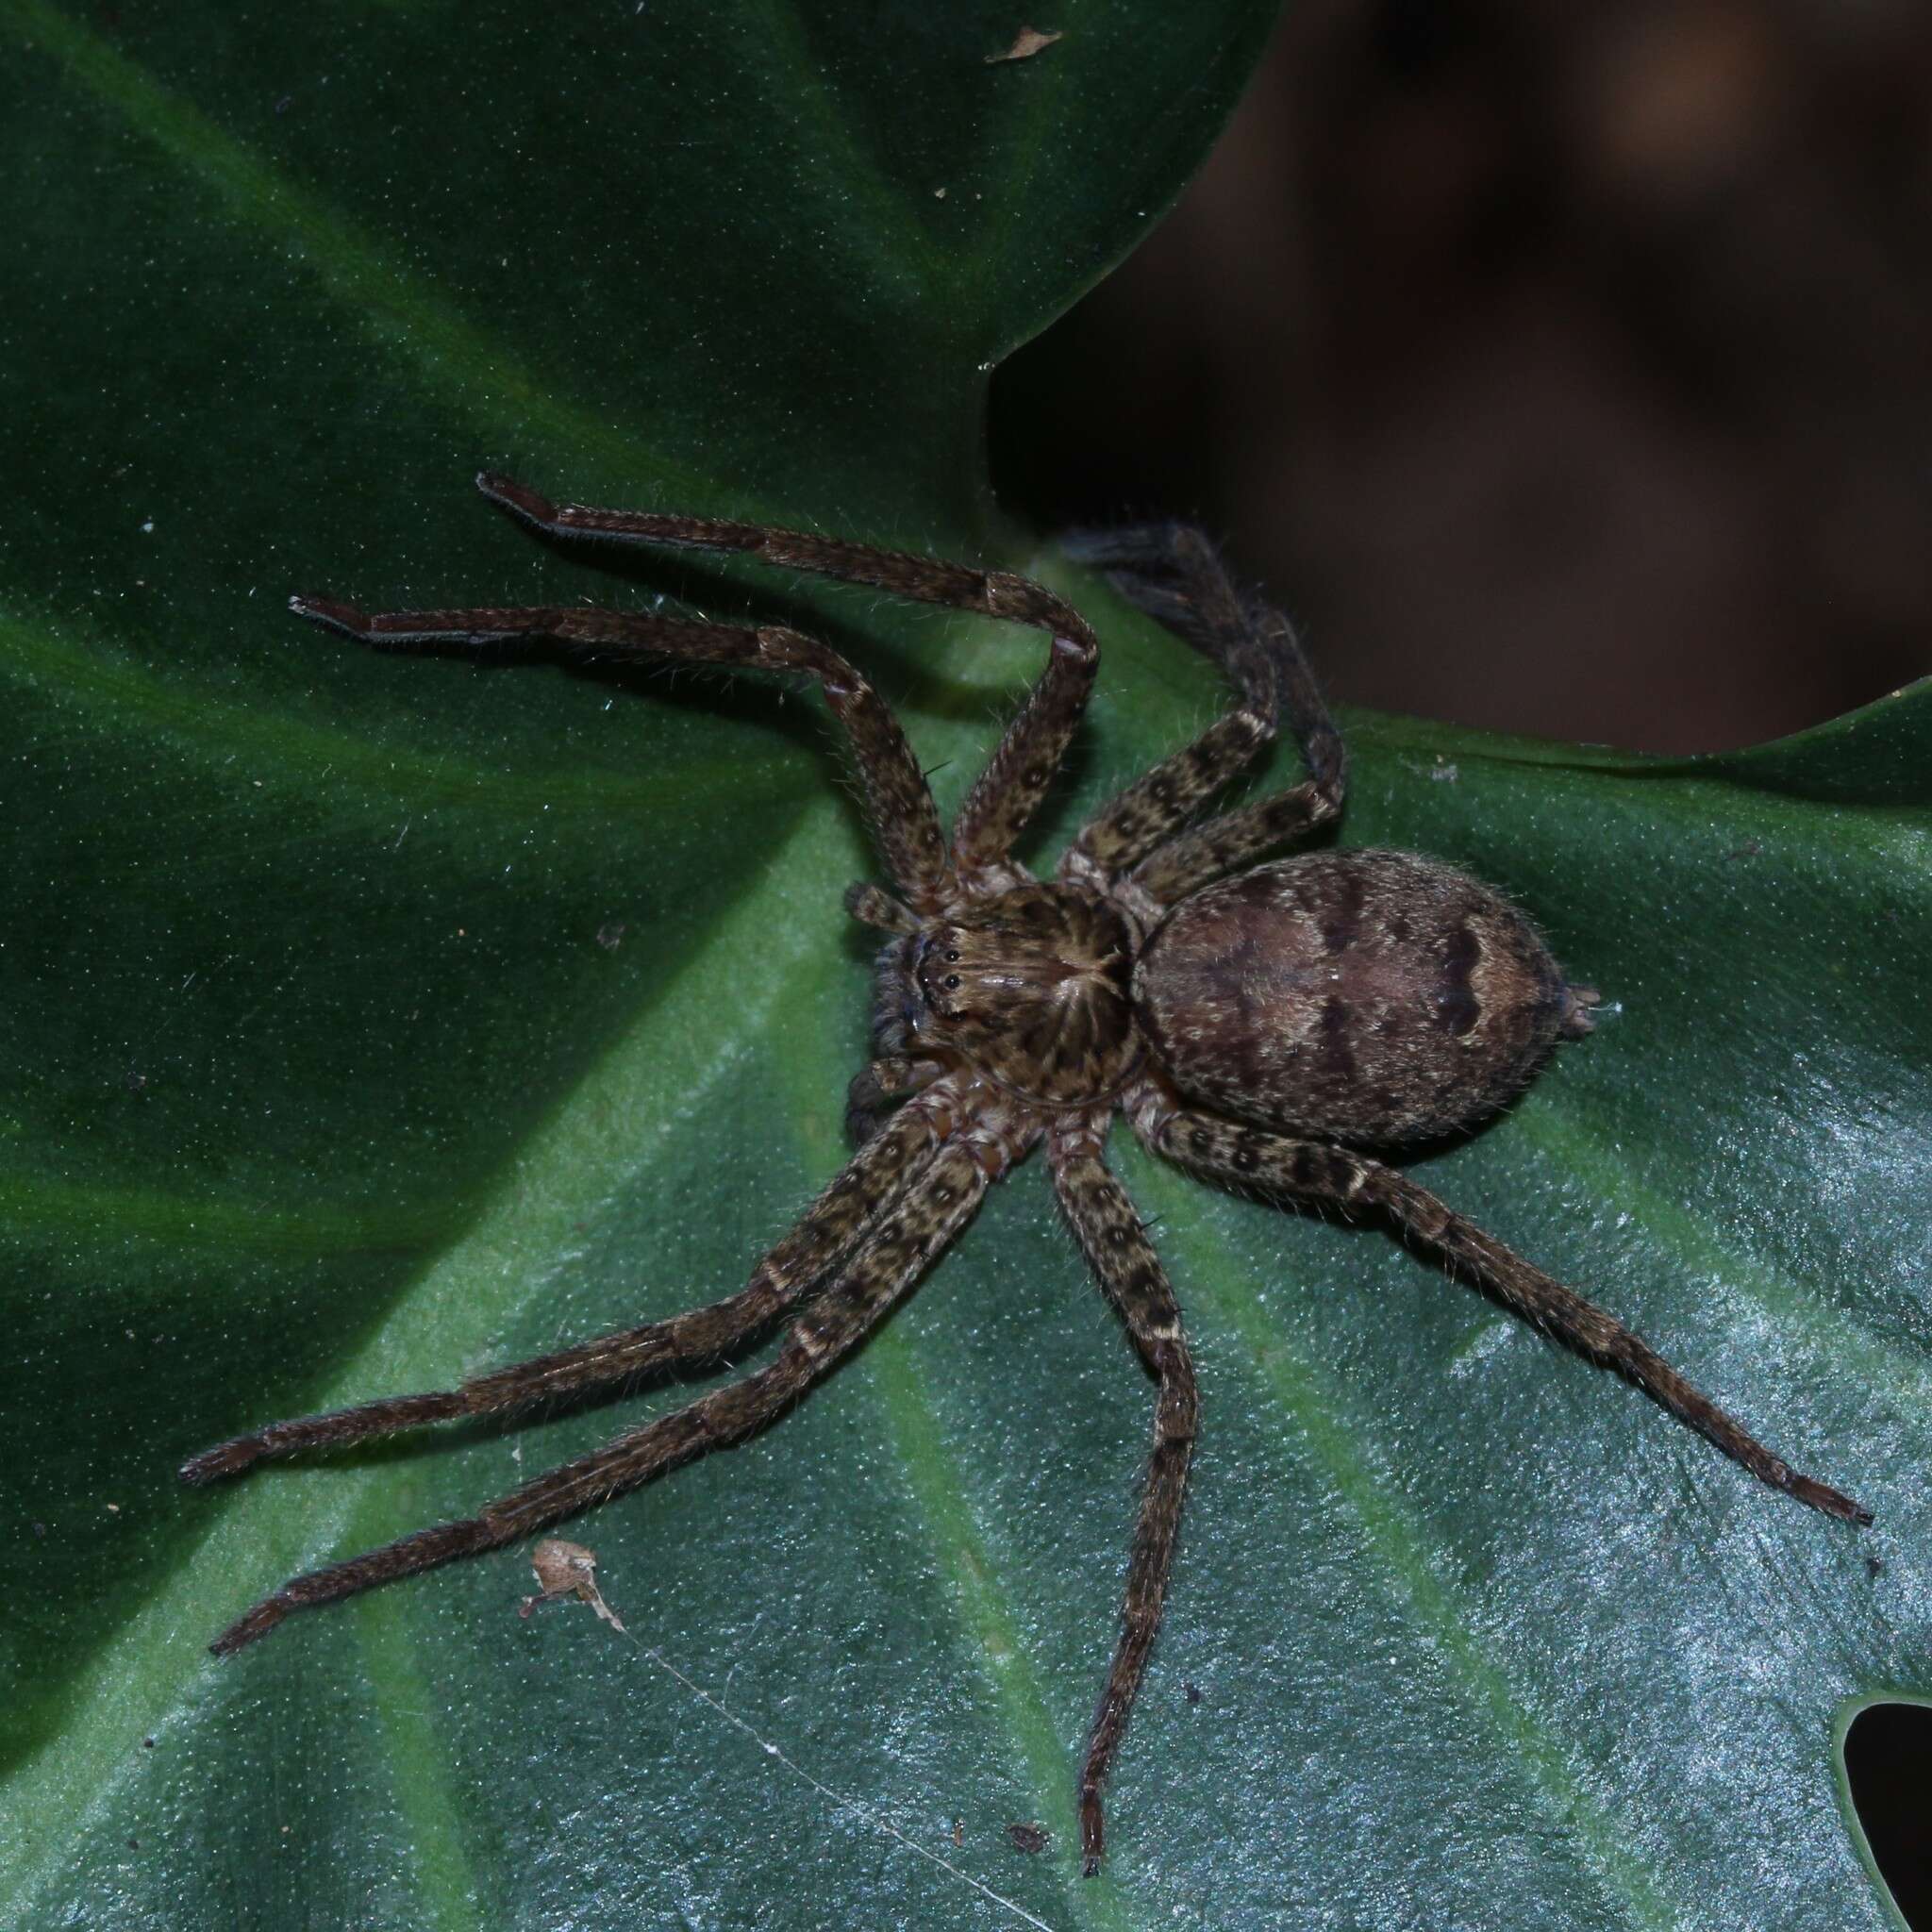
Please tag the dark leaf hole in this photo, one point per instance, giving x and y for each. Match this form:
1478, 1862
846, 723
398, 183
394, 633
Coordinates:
1888, 1768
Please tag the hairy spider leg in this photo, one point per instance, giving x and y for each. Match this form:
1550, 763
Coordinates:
1237, 839
879, 911
1250, 1158
1131, 1277
1174, 574
879, 1082
899, 808
923, 1220
821, 1236
1006, 794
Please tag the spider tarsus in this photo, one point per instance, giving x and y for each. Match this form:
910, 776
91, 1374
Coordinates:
345, 618
407, 1556
1093, 1833
1129, 547
258, 1621
871, 907
224, 1459
1832, 1502
327, 1431
509, 494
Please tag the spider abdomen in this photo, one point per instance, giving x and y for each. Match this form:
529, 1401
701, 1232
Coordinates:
1376, 997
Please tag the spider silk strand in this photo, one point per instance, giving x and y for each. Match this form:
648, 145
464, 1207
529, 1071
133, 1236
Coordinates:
871, 1817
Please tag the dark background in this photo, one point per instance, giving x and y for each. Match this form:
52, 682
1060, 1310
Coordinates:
1564, 369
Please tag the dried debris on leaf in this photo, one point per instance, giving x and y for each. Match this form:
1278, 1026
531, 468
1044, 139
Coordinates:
567, 1569
1027, 1838
1026, 44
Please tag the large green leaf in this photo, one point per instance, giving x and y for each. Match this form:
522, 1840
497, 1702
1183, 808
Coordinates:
371, 1019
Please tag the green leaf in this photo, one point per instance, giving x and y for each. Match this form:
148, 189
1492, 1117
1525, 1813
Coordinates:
371, 1021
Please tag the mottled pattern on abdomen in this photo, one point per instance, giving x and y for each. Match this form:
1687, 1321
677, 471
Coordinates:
1376, 997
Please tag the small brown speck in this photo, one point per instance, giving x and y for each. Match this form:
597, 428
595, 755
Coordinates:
958, 1833
1027, 1838
134, 1845
1026, 43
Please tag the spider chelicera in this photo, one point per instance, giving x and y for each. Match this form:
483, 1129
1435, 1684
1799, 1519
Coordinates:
1259, 1026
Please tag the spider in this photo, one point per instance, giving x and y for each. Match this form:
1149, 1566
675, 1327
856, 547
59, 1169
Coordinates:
1262, 1024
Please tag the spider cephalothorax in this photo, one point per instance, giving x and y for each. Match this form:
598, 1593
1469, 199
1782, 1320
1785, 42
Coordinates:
1259, 1026
1032, 987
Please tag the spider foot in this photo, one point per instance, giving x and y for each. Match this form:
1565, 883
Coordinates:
418, 630
328, 1430
1127, 546
507, 494
332, 615
256, 1621
873, 908
423, 1549
1092, 1832
224, 1459
1823, 1497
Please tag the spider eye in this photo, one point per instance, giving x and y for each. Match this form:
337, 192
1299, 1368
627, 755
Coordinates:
950, 957
952, 978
